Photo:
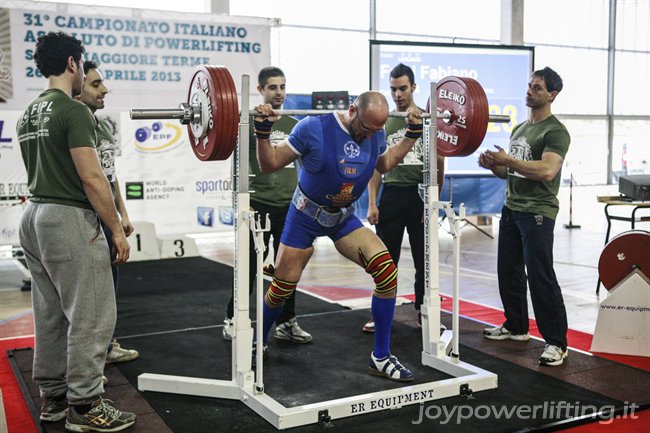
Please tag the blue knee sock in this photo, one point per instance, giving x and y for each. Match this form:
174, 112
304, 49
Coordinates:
382, 312
270, 316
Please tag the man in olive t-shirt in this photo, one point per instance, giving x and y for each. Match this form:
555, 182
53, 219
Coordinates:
532, 168
400, 206
271, 194
93, 94
65, 248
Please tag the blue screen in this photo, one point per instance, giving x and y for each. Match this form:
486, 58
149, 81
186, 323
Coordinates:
503, 72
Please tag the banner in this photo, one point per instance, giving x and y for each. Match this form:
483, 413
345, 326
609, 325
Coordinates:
148, 59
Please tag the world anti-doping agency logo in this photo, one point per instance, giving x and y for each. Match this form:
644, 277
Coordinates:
134, 190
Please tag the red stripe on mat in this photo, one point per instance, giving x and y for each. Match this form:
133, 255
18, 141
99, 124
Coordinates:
19, 419
21, 325
335, 294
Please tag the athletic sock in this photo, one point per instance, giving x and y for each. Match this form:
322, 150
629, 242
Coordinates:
270, 316
82, 409
382, 311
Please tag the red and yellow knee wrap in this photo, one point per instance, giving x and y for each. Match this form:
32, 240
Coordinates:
383, 271
279, 292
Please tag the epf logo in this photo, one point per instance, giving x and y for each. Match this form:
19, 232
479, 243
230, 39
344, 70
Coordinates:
158, 137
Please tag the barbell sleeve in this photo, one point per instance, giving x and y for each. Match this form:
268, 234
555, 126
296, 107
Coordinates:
157, 113
182, 114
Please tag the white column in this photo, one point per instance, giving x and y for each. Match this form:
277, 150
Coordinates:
512, 22
218, 6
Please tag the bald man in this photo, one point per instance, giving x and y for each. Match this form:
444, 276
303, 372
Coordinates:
339, 152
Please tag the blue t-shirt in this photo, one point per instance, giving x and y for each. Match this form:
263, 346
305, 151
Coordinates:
336, 169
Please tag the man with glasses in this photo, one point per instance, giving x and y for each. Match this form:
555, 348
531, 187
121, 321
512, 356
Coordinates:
339, 153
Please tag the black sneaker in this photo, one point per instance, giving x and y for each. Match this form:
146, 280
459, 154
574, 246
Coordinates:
54, 409
268, 270
101, 417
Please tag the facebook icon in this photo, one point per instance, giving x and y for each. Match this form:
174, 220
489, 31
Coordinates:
205, 216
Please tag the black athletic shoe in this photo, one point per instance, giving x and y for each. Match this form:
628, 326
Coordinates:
54, 409
101, 417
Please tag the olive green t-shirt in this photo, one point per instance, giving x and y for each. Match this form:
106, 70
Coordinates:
273, 189
107, 147
528, 142
53, 124
409, 171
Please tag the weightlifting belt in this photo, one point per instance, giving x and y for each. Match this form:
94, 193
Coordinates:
323, 215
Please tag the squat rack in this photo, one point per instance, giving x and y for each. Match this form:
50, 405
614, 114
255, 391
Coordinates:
439, 351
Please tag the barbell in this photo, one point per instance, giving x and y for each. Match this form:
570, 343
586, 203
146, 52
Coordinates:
211, 114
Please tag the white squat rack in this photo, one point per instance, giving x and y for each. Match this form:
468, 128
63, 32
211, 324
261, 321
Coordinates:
440, 352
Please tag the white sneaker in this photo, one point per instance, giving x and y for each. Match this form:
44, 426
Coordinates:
369, 327
553, 356
119, 354
228, 329
291, 331
501, 333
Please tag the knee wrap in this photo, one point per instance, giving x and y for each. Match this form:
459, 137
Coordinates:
279, 291
383, 271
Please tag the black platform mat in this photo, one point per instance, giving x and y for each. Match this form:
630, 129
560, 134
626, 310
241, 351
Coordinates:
171, 311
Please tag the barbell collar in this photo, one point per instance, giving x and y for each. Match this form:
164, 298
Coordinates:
187, 113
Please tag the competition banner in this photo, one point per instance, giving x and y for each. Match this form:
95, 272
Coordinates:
148, 59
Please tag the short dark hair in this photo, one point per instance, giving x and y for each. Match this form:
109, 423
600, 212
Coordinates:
89, 65
401, 70
268, 72
551, 78
53, 50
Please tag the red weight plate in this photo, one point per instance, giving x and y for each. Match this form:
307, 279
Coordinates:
227, 112
468, 107
220, 113
622, 255
452, 134
480, 126
470, 122
203, 136
230, 109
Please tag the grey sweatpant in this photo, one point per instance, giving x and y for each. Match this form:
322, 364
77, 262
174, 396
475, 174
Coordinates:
72, 297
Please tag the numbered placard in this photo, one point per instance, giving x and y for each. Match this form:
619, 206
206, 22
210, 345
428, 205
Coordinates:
143, 242
177, 246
